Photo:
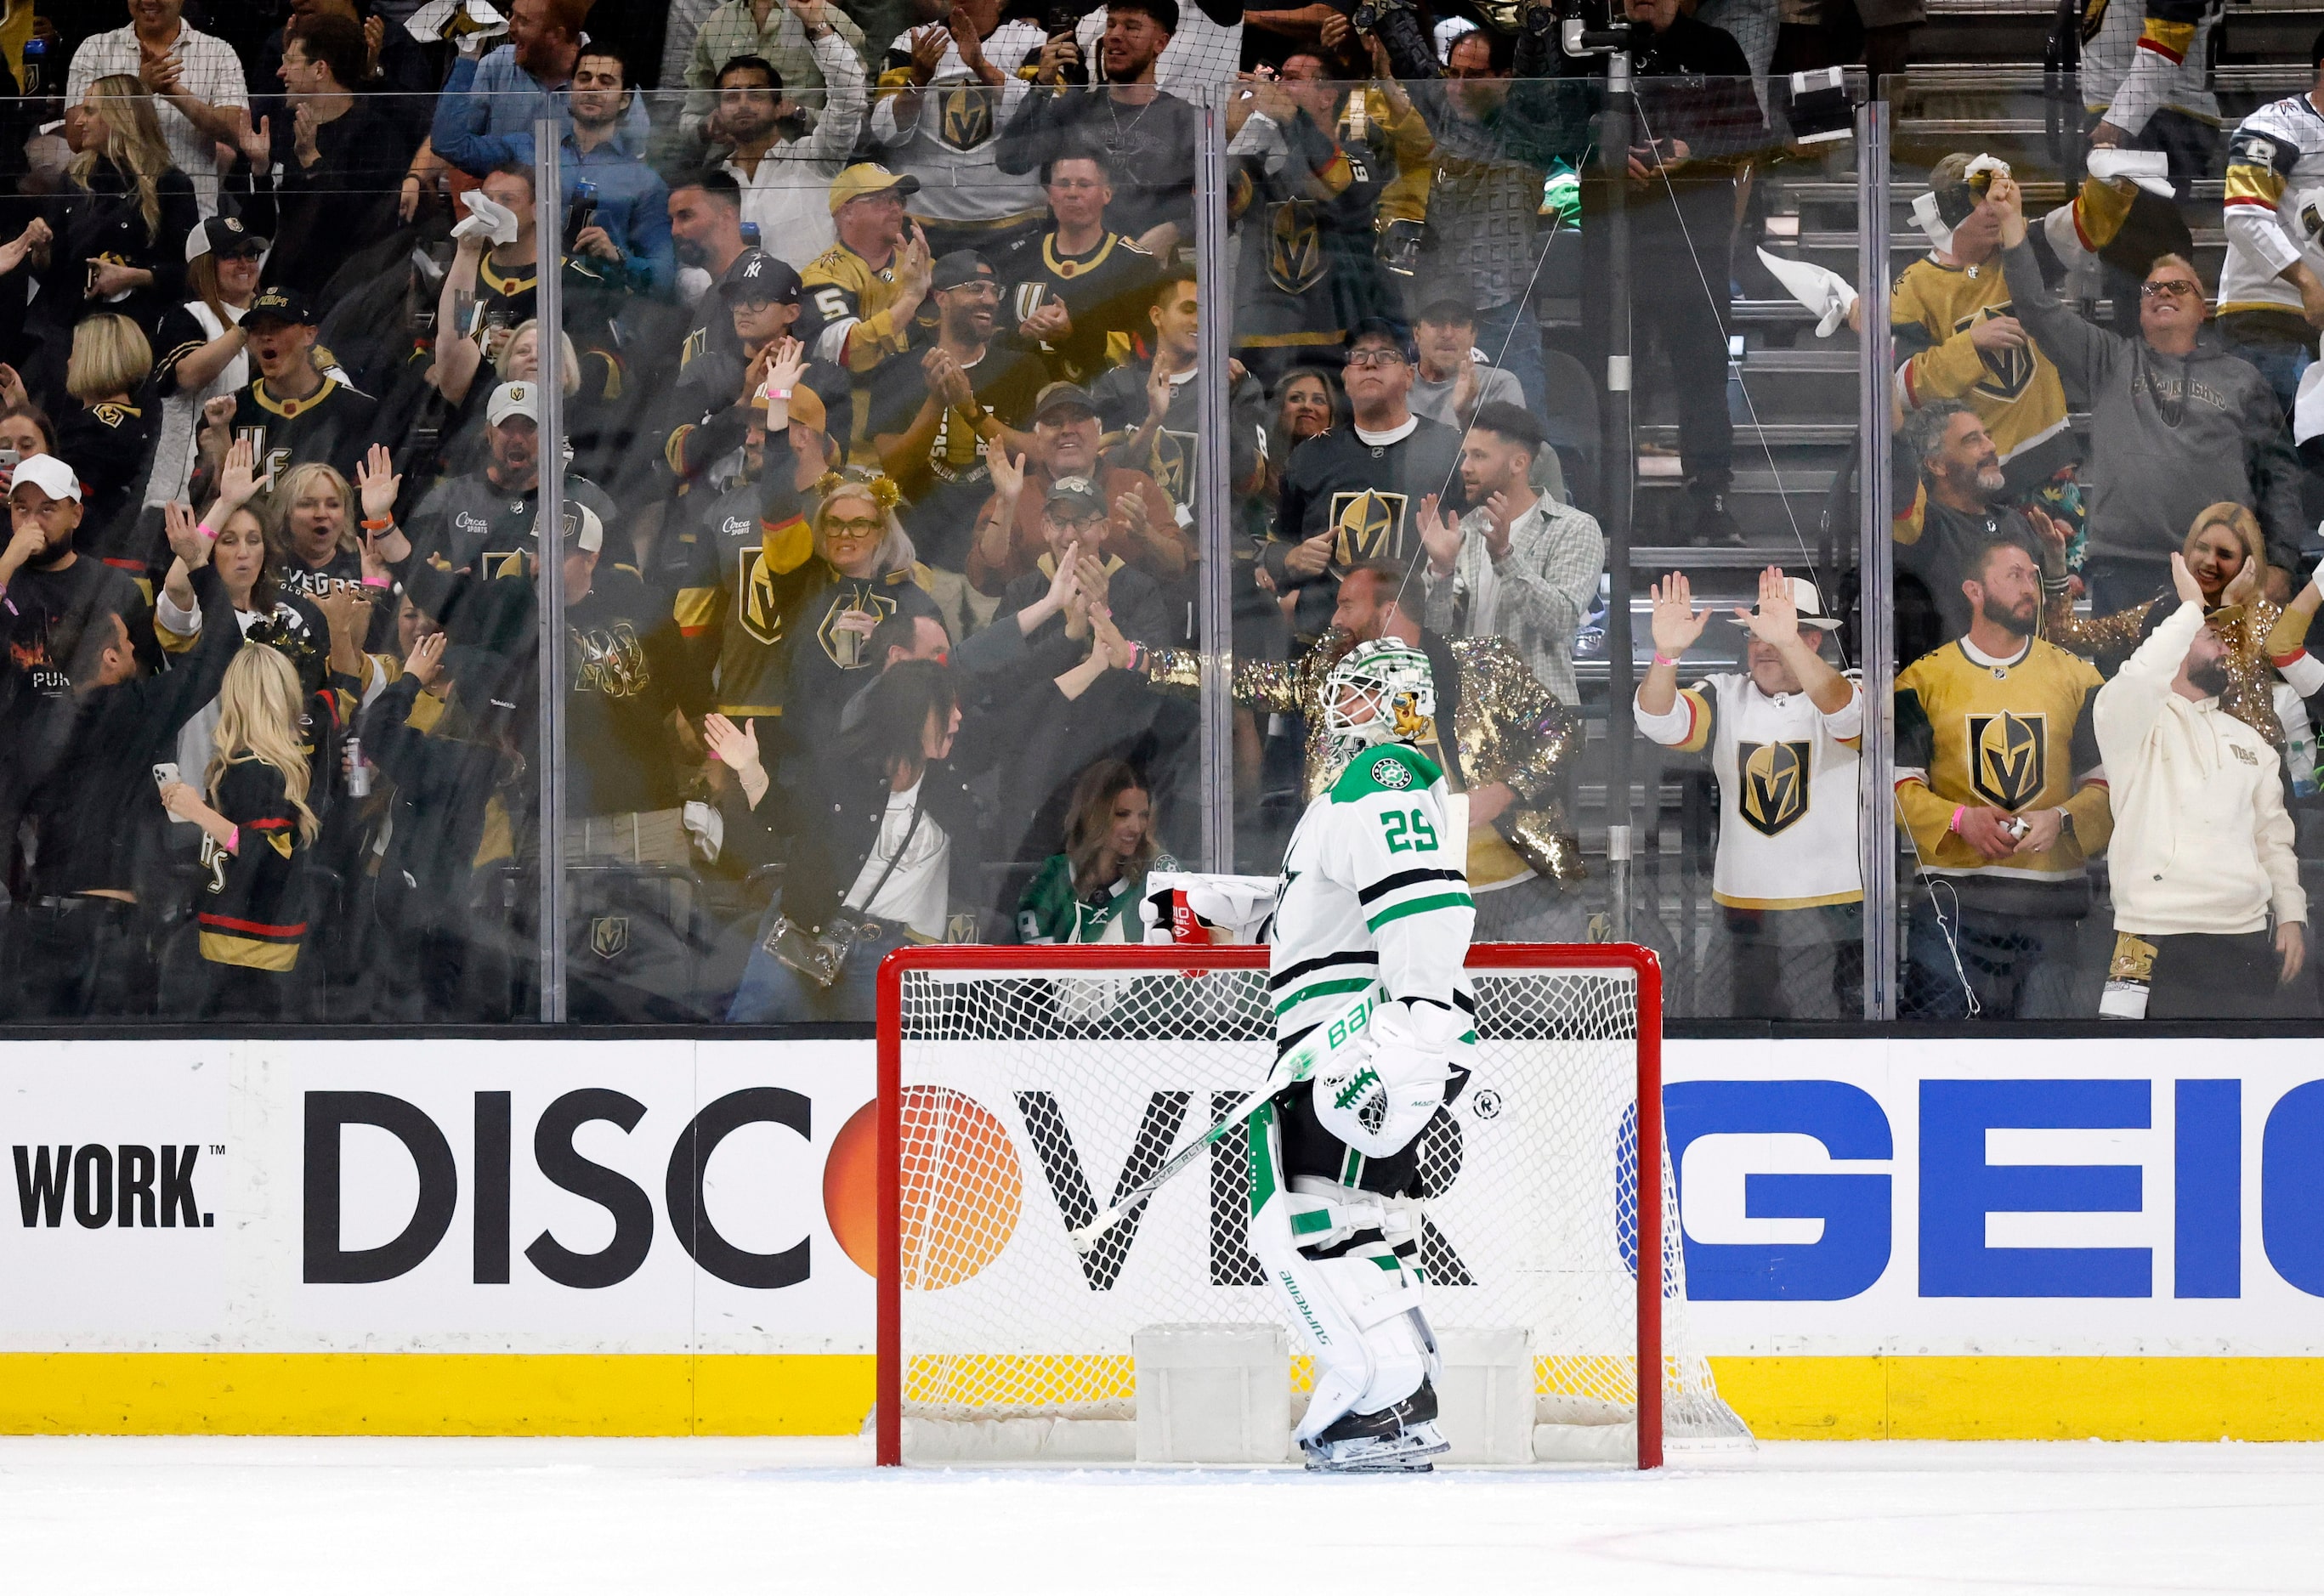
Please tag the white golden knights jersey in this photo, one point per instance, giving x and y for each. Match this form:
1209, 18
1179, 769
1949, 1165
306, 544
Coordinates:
1372, 894
2275, 158
1788, 777
2137, 62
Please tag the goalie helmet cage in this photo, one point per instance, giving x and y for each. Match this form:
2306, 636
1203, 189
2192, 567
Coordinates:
1018, 1085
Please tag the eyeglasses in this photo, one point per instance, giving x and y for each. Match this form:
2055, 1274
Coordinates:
1376, 357
2173, 287
859, 528
1076, 523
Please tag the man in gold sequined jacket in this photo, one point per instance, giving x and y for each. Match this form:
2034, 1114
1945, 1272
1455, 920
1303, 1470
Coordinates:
1513, 750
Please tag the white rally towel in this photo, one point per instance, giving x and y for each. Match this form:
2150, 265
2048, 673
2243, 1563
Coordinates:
2149, 169
1826, 293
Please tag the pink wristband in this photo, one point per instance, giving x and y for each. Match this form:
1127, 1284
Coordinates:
1954, 824
204, 529
377, 582
1662, 659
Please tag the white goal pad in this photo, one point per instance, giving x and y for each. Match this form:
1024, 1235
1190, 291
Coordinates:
1023, 1089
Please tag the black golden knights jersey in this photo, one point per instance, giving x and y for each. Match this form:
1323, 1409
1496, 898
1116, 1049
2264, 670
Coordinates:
1106, 291
747, 578
828, 665
1367, 492
333, 425
1305, 204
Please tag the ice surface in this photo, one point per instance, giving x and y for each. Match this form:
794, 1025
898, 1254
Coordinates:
248, 1515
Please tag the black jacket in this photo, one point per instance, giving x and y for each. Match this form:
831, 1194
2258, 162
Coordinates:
833, 819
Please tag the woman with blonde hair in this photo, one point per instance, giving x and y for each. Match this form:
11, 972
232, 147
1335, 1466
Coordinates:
108, 440
120, 229
2226, 552
256, 819
1090, 893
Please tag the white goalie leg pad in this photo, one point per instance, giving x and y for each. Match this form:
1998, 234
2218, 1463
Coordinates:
1360, 1313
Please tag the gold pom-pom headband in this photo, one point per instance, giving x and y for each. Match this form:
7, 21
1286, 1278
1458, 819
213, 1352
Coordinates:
882, 489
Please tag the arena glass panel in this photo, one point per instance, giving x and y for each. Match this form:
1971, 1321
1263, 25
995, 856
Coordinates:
260, 402
2020, 450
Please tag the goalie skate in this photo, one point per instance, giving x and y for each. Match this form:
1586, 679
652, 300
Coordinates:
1399, 1439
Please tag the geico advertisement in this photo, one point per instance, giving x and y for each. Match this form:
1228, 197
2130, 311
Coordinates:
2129, 1194
2061, 1197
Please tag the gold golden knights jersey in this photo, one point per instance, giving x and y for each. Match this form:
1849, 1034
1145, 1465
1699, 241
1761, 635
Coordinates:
2014, 735
1788, 777
852, 306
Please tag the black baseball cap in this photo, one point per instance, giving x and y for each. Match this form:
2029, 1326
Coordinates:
1063, 396
757, 276
223, 235
281, 304
1380, 326
961, 265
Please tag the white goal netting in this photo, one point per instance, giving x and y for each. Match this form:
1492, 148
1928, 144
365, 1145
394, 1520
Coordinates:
1031, 1098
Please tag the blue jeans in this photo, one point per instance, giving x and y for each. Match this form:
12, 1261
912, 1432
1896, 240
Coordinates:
1510, 337
2282, 362
773, 992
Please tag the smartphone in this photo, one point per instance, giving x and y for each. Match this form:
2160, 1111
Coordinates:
583, 214
164, 774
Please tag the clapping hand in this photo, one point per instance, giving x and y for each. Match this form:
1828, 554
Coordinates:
12, 393
1109, 641
1008, 475
1676, 622
426, 659
735, 747
2243, 586
1441, 535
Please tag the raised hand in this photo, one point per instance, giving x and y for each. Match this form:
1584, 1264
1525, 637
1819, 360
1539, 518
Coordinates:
256, 144
2183, 583
380, 484
1109, 641
12, 393
1130, 515
238, 482
186, 539
1675, 623
928, 51
735, 747
426, 659
1776, 621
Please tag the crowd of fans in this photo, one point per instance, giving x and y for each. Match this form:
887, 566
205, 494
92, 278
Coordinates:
882, 545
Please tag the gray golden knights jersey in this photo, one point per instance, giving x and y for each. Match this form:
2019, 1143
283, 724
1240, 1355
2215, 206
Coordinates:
1372, 896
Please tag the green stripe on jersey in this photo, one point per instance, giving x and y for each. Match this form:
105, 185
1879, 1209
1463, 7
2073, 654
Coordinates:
1323, 989
1421, 906
1390, 768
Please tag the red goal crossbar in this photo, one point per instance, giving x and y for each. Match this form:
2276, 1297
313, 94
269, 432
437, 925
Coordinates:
888, 1388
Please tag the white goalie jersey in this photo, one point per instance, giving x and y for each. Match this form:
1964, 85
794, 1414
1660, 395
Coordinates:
1374, 893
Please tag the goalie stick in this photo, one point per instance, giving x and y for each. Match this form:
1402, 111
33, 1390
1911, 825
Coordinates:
1312, 1055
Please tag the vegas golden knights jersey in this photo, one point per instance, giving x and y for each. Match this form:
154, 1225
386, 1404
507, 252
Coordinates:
1788, 790
2007, 735
1368, 493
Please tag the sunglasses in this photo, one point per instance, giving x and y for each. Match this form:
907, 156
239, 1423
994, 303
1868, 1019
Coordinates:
2171, 287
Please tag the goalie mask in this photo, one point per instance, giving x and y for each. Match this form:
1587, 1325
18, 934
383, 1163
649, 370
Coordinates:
1390, 676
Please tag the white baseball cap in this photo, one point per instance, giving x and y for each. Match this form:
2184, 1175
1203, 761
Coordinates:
514, 399
51, 476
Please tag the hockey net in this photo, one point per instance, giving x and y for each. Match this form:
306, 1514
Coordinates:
1022, 1089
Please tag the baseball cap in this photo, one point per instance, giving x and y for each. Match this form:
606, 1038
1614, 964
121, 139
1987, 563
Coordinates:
963, 266
514, 399
867, 177
806, 408
757, 277
1061, 396
1379, 326
1076, 492
51, 476
281, 304
582, 526
222, 234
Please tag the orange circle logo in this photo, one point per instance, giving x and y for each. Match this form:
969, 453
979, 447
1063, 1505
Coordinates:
961, 1187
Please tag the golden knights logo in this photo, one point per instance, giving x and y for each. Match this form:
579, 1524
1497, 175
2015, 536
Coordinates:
609, 936
1026, 298
847, 650
2008, 758
756, 605
1774, 784
1295, 249
611, 662
1171, 465
2007, 369
1369, 525
966, 118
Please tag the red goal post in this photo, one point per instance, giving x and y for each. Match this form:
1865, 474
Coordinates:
1087, 1017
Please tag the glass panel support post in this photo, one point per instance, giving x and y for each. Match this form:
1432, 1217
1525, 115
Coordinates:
1621, 453
1875, 641
548, 187
1214, 513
